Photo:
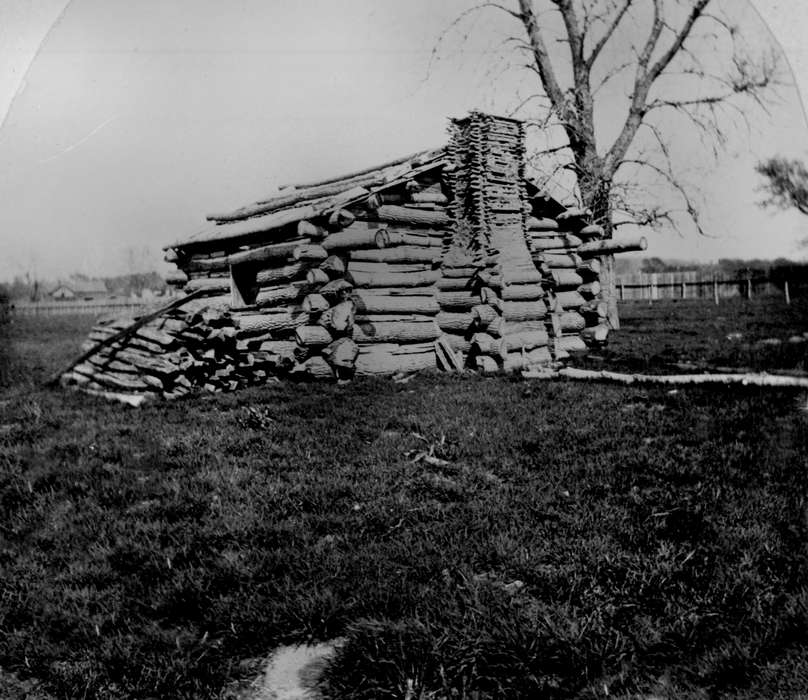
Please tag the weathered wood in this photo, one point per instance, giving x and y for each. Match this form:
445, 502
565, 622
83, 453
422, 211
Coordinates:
395, 331
591, 231
390, 213
455, 284
523, 360
404, 254
374, 303
281, 294
589, 267
595, 307
340, 318
176, 278
486, 364
610, 246
447, 357
133, 383
570, 344
429, 197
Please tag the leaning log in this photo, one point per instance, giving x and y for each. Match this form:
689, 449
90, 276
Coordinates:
610, 246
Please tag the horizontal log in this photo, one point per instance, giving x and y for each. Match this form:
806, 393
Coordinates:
390, 213
394, 279
522, 292
589, 268
274, 251
567, 300
310, 230
455, 321
611, 246
386, 238
282, 294
589, 289
570, 344
355, 236
315, 304
500, 327
280, 320
340, 318
591, 231
317, 276
176, 278
463, 300
404, 254
565, 279
211, 285
594, 308
386, 361
455, 284
395, 331
375, 303
429, 197
483, 315
216, 235
562, 260
524, 360
458, 272
270, 276
386, 268
525, 340
523, 310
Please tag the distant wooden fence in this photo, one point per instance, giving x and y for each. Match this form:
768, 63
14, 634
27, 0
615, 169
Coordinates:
94, 306
649, 286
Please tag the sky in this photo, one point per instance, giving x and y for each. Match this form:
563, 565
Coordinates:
124, 124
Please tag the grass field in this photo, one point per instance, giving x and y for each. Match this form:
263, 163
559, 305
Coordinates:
576, 540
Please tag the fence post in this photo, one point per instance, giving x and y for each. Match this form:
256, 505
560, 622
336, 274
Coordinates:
715, 290
623, 292
684, 290
748, 288
788, 296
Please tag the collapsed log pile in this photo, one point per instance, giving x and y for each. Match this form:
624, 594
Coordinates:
447, 258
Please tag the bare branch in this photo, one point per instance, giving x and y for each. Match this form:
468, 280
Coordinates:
610, 30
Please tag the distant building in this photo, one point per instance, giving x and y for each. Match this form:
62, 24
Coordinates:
79, 289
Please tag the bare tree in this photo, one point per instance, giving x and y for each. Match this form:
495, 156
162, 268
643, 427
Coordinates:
786, 183
671, 61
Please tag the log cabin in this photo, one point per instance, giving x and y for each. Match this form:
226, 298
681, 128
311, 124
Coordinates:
444, 259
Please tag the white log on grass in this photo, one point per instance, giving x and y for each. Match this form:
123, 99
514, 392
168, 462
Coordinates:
749, 379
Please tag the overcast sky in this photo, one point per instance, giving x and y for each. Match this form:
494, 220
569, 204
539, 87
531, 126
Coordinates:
127, 122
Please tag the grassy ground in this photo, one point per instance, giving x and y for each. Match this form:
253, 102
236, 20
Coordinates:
577, 540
